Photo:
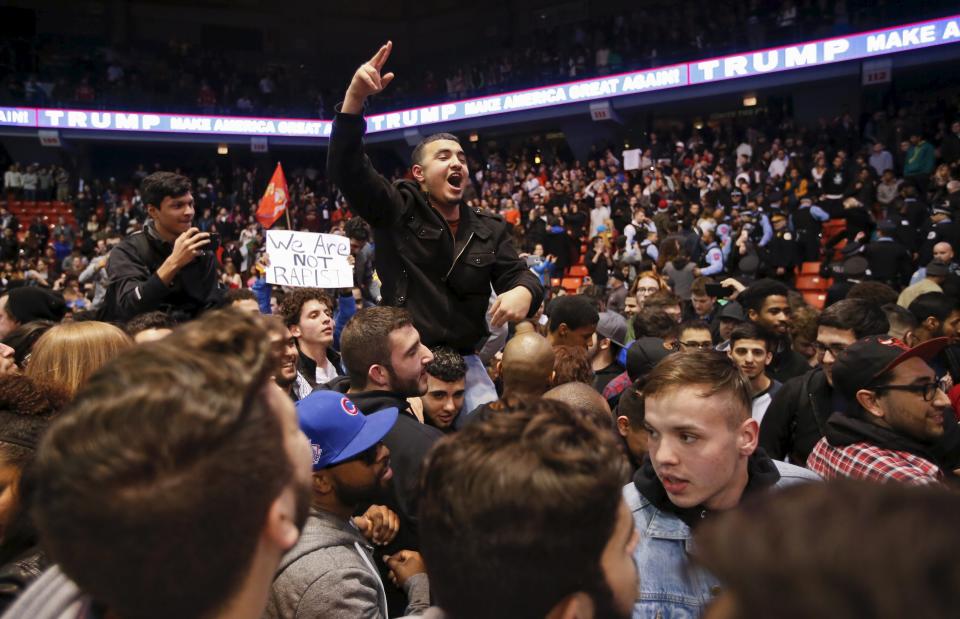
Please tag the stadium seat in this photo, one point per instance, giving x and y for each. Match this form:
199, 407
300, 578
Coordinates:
577, 270
571, 284
810, 268
555, 282
812, 283
815, 299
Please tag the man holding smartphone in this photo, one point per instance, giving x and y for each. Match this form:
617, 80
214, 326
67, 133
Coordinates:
169, 266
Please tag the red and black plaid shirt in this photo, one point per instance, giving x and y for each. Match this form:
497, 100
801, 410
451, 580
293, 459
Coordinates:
870, 462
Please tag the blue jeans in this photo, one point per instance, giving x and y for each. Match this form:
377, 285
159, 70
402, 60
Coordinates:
479, 388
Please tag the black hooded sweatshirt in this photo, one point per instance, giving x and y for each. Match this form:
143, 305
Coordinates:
762, 474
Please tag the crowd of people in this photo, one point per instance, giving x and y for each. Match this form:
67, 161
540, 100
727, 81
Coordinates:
457, 435
183, 77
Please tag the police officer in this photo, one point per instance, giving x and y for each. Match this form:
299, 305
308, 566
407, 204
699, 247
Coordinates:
782, 254
711, 265
758, 224
855, 270
941, 229
807, 222
889, 260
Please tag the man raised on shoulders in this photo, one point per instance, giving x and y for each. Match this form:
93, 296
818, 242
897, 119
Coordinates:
168, 266
435, 256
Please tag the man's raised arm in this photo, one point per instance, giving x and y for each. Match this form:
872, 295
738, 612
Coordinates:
368, 193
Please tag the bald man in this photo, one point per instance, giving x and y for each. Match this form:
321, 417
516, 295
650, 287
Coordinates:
525, 370
943, 252
583, 397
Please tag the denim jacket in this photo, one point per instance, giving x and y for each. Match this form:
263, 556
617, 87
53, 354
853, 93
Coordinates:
671, 587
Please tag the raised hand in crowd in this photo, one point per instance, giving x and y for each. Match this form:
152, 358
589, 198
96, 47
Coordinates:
368, 80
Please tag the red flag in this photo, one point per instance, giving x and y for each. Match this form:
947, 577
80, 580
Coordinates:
274, 200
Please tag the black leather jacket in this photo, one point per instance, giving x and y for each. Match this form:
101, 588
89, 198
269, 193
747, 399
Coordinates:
443, 281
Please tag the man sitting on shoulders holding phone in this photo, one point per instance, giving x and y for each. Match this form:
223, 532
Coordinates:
169, 266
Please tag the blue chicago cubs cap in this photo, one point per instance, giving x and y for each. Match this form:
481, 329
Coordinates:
337, 429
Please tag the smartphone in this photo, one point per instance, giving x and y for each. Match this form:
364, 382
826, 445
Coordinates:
533, 261
719, 292
214, 242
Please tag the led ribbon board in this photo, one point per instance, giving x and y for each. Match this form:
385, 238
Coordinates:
786, 58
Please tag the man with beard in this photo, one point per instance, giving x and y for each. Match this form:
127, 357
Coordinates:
765, 303
797, 416
500, 539
435, 256
702, 459
895, 414
330, 572
174, 484
285, 354
387, 363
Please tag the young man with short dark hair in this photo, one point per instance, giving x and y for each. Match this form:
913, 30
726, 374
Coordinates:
435, 256
169, 265
765, 303
702, 459
174, 484
309, 314
751, 349
443, 401
694, 335
573, 321
497, 534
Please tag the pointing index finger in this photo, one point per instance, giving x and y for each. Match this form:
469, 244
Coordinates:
380, 58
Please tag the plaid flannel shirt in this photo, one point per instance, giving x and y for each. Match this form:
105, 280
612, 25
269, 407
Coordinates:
868, 461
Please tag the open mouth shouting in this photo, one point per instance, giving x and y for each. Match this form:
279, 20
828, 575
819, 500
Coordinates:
455, 182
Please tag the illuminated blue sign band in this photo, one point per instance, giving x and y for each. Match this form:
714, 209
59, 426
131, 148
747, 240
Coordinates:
810, 54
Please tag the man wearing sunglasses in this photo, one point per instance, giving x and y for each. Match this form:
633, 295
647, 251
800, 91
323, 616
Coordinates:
331, 571
895, 414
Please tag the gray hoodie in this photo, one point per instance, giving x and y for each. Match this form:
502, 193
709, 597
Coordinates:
330, 573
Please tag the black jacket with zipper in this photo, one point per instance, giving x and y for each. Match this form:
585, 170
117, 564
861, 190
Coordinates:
443, 281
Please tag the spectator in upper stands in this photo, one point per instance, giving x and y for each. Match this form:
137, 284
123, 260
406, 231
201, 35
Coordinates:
168, 266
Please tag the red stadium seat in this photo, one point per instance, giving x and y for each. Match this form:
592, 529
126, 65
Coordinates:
815, 299
571, 284
812, 283
810, 268
577, 270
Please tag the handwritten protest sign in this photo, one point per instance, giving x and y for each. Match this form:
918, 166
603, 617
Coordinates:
308, 259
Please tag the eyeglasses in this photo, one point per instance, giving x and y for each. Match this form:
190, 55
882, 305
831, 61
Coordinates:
696, 345
367, 456
647, 290
928, 391
835, 349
